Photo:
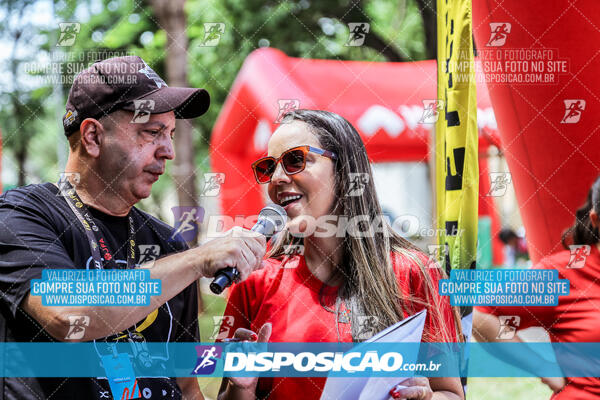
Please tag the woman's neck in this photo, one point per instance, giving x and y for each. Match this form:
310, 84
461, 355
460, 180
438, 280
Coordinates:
322, 256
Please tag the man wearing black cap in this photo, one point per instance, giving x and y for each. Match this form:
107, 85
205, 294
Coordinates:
120, 123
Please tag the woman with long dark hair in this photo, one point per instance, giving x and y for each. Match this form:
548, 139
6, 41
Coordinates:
353, 267
576, 318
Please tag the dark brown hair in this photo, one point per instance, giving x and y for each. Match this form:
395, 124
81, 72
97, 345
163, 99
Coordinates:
582, 231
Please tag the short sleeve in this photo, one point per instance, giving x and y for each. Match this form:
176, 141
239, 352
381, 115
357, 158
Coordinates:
238, 312
441, 325
419, 286
28, 244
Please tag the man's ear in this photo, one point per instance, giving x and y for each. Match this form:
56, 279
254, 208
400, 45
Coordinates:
594, 218
92, 135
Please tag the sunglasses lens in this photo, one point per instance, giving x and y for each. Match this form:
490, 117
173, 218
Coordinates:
264, 170
293, 161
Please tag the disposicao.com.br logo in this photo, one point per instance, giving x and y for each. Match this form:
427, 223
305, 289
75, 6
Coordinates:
350, 362
305, 363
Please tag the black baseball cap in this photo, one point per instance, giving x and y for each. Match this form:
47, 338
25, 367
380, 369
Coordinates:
116, 83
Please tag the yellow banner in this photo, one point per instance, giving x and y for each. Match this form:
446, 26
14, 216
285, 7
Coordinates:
456, 143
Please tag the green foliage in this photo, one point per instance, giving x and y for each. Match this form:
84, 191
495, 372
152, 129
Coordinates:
312, 29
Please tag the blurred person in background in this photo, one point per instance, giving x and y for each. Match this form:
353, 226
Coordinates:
576, 318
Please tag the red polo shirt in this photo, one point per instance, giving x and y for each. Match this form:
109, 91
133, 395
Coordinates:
576, 318
287, 295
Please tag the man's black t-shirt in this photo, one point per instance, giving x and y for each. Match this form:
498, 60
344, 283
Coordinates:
38, 230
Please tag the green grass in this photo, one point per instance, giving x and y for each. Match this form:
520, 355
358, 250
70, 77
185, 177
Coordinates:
478, 388
507, 388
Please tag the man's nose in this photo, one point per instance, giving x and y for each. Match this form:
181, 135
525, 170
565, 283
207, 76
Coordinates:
166, 149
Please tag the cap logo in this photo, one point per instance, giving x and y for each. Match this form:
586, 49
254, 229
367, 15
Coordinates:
149, 72
69, 117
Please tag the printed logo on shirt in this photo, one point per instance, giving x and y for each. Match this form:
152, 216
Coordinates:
579, 255
207, 359
508, 326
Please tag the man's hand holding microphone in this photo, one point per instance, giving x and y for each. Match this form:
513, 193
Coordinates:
271, 220
228, 259
240, 248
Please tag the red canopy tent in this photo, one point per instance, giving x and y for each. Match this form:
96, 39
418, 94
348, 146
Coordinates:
384, 101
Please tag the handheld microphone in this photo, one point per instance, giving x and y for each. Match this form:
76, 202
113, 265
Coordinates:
271, 220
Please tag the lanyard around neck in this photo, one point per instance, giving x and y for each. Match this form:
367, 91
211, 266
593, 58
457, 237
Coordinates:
82, 213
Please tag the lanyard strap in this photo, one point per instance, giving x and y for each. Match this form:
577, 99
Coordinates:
82, 213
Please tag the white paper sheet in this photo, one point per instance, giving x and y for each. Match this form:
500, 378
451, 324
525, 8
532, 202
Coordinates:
409, 330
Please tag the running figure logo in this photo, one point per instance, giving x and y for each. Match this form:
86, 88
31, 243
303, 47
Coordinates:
508, 326
431, 111
148, 253
187, 220
77, 323
143, 109
437, 254
358, 33
293, 249
68, 33
212, 183
222, 327
500, 31
207, 359
573, 109
212, 33
67, 179
367, 326
499, 182
285, 106
358, 183
579, 254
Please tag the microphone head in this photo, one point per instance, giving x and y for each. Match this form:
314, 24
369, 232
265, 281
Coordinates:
271, 220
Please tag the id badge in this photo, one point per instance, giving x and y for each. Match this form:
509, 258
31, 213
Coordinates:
121, 376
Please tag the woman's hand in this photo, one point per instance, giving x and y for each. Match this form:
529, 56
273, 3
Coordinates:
246, 335
415, 388
556, 384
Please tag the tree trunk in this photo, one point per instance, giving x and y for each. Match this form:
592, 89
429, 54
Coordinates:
171, 17
21, 158
428, 12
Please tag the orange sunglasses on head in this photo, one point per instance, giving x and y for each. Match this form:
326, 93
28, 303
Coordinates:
292, 160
